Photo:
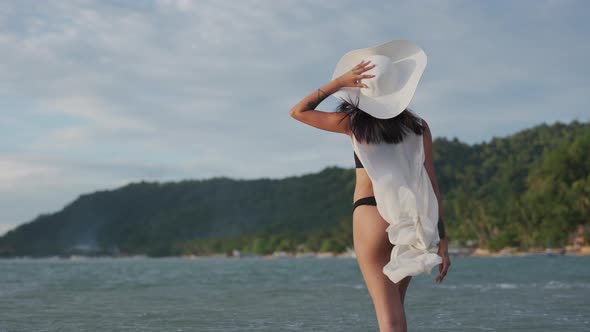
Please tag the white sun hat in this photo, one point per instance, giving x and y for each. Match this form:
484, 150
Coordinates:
399, 67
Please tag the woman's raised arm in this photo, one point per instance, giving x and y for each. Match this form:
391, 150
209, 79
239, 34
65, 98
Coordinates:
330, 121
305, 112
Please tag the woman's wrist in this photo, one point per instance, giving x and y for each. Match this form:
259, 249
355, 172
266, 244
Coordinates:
316, 97
441, 228
332, 86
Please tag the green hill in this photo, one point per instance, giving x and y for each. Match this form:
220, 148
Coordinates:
528, 189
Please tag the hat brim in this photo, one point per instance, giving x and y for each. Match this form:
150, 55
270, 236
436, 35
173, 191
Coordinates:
390, 105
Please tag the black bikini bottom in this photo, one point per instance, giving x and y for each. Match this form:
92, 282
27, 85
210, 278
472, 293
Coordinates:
369, 200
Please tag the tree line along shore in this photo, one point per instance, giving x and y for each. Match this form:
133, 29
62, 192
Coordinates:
525, 192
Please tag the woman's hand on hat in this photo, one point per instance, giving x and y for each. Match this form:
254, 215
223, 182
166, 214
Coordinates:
353, 77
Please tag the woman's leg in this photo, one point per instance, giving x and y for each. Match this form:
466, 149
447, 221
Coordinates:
373, 249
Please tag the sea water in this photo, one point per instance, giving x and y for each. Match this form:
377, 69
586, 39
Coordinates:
533, 293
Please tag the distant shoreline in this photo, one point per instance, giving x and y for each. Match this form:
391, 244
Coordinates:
453, 252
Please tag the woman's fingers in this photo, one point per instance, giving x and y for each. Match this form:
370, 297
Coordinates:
446, 265
439, 278
365, 68
354, 76
443, 268
357, 67
363, 65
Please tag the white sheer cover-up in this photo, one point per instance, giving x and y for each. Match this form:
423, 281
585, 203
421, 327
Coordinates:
406, 200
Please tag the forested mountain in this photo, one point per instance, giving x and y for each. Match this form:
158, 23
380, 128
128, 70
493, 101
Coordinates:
529, 189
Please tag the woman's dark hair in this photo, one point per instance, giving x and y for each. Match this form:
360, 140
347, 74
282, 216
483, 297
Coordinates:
369, 129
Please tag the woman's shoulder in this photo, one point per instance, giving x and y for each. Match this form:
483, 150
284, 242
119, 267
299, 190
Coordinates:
424, 123
418, 117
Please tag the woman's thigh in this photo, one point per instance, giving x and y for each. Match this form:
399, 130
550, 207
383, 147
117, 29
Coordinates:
373, 250
369, 235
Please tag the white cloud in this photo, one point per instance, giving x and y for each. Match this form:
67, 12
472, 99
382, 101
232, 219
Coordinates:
173, 89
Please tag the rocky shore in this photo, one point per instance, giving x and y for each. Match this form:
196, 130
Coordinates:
510, 251
453, 252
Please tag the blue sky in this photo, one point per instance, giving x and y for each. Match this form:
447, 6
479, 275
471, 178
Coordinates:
97, 94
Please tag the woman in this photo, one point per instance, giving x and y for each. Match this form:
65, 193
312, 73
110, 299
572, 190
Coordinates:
376, 208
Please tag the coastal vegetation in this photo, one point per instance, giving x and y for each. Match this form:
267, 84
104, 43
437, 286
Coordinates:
527, 190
